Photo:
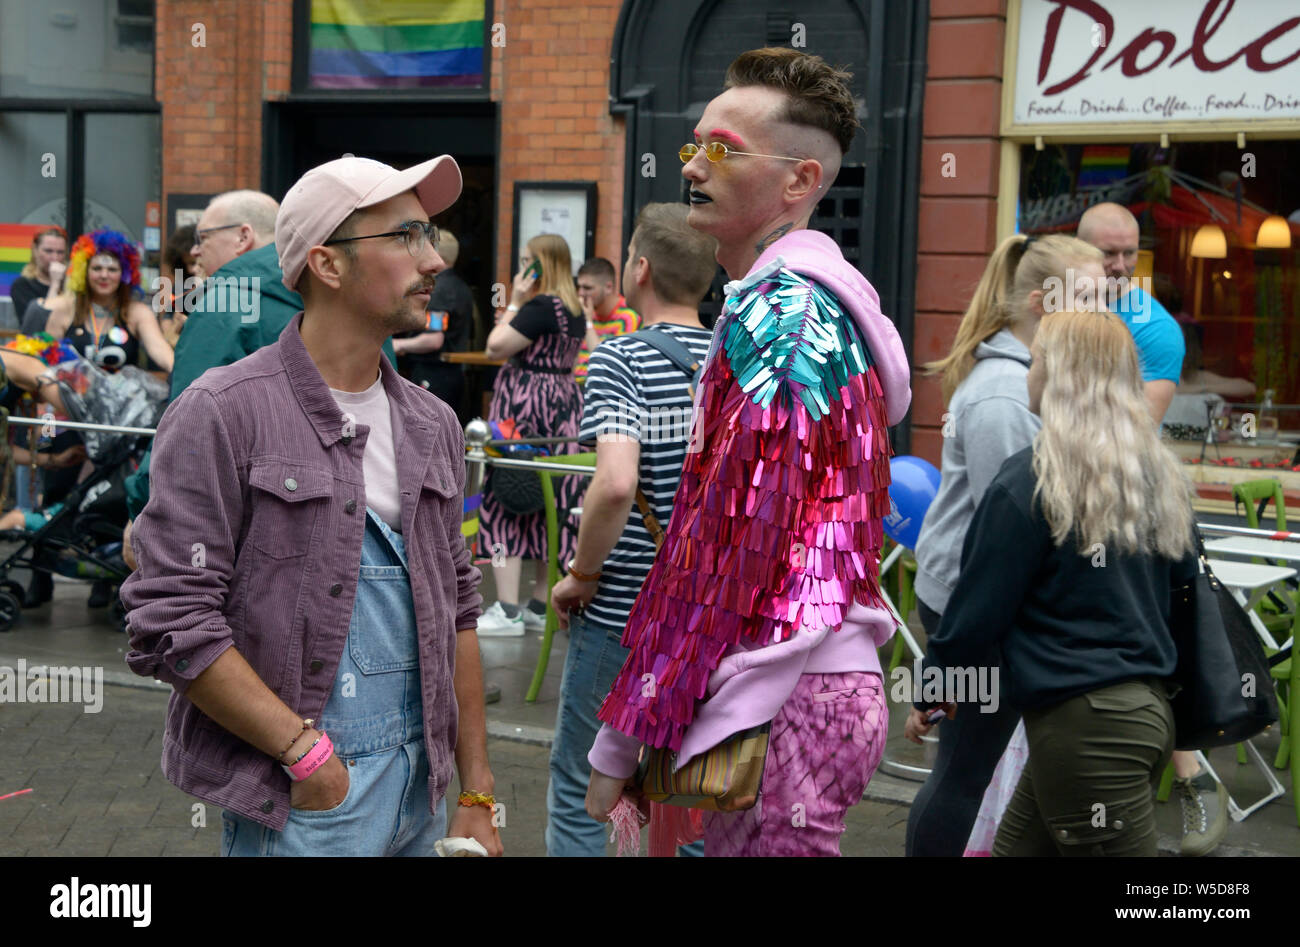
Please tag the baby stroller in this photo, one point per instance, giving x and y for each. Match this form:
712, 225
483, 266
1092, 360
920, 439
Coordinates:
82, 534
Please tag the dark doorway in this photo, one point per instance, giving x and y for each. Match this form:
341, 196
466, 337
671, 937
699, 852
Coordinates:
300, 135
669, 58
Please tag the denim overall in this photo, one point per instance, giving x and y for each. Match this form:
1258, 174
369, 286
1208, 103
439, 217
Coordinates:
375, 718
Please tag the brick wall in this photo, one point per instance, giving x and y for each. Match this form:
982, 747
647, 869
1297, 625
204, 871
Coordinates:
552, 82
958, 213
212, 95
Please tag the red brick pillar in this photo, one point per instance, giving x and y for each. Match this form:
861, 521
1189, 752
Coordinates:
552, 80
212, 94
959, 187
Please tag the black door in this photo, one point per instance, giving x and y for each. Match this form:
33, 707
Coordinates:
669, 59
299, 135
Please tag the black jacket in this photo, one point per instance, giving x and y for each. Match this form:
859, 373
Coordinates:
1064, 625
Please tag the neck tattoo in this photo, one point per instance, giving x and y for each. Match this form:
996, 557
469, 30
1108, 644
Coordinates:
772, 237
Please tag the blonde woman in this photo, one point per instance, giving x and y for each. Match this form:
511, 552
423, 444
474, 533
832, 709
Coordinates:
988, 420
1068, 569
540, 332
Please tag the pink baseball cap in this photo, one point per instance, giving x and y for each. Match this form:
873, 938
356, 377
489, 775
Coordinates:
325, 196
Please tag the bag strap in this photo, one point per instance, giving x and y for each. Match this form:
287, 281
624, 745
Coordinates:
681, 357
648, 517
671, 349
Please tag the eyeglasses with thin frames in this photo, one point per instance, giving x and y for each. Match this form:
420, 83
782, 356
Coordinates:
715, 151
201, 235
415, 234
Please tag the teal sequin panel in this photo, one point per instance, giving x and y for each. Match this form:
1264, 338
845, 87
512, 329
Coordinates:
790, 336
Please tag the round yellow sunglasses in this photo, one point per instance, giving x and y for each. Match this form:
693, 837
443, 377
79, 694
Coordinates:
716, 151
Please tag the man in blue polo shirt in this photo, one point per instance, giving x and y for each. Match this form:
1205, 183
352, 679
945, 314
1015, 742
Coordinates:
1114, 231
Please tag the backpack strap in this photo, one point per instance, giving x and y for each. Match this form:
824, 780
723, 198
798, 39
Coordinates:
677, 353
671, 349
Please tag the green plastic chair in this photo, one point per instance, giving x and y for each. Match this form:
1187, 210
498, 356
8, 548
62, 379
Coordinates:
552, 557
1250, 493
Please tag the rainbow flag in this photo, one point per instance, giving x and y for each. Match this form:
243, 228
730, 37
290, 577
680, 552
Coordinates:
396, 44
1101, 164
15, 251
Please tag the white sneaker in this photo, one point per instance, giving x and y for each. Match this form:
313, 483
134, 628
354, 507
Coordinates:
532, 620
495, 623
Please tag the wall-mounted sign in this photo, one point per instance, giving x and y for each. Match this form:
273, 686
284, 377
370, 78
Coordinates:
1117, 67
184, 209
566, 208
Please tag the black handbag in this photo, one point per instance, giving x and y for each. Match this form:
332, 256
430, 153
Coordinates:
517, 491
1227, 693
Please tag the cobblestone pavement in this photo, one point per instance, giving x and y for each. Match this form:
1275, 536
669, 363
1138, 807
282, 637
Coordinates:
97, 788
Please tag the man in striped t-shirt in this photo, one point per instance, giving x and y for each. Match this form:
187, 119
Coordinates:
637, 411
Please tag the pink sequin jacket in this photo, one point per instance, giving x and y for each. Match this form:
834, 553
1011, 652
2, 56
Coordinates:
769, 566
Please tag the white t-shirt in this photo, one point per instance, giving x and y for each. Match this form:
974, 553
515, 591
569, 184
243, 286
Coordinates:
379, 464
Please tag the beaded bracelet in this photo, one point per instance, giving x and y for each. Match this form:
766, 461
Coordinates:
306, 725
304, 753
469, 799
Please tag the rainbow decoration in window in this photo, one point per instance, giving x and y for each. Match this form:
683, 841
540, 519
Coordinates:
396, 44
15, 252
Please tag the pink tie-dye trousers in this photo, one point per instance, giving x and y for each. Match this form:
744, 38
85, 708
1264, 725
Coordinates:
826, 741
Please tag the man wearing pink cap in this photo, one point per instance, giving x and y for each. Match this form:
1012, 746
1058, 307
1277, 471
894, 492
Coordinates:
303, 582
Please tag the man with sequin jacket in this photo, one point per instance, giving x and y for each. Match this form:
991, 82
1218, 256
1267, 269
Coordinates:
763, 606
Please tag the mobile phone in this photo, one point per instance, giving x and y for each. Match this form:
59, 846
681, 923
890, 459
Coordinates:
534, 268
936, 715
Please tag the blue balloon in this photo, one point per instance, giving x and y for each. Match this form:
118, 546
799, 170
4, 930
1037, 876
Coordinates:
913, 485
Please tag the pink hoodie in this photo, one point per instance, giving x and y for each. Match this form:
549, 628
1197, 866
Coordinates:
753, 680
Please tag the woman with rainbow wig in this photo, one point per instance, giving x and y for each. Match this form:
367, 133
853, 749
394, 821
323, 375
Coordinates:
100, 312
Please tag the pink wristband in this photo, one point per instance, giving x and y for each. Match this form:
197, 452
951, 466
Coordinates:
321, 750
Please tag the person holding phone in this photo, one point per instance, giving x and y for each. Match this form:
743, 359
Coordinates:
540, 332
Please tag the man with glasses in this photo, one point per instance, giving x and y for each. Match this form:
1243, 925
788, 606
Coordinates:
303, 581
744, 620
244, 304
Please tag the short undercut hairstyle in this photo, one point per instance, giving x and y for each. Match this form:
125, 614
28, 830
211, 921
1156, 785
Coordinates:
598, 268
682, 259
817, 93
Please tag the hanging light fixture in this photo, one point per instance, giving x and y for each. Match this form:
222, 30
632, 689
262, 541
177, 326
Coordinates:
1210, 243
1274, 233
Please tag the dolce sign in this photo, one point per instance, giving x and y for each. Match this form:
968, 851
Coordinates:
1101, 61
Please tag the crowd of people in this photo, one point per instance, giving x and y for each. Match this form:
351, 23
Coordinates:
721, 593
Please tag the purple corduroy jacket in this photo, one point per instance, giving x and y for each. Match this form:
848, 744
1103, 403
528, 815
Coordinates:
252, 539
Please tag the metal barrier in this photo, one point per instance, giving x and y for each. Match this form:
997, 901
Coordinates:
1247, 531
82, 426
478, 437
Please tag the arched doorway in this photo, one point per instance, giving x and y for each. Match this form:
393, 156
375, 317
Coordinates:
669, 59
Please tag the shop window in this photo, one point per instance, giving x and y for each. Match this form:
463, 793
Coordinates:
77, 49
123, 170
366, 44
1243, 305
134, 23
